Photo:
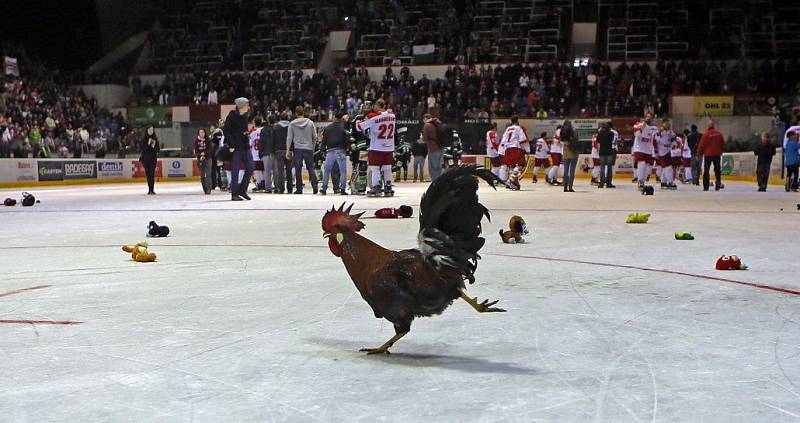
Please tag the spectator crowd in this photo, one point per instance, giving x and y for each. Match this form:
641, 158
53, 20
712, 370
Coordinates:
541, 90
40, 116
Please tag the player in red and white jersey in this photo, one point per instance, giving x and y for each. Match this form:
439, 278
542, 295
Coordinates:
541, 155
513, 146
556, 150
675, 151
255, 146
595, 156
615, 141
637, 133
686, 160
644, 150
492, 147
664, 139
380, 127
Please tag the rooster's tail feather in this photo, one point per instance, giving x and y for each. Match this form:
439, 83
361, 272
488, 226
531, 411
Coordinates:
450, 219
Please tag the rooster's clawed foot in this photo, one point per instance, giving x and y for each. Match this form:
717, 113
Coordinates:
384, 349
484, 306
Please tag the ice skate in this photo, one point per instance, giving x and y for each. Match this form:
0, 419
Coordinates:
388, 191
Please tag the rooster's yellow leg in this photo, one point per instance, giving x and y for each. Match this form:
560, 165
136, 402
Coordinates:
384, 349
483, 307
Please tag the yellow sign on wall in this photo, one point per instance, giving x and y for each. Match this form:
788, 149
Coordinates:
713, 105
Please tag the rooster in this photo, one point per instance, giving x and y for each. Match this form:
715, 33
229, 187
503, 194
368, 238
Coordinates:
402, 285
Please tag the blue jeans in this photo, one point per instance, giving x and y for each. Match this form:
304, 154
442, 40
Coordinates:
419, 162
336, 157
306, 156
268, 160
435, 164
239, 157
569, 171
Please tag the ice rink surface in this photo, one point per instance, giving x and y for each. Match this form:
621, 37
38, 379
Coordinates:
247, 316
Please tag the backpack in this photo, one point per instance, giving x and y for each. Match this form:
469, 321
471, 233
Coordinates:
444, 135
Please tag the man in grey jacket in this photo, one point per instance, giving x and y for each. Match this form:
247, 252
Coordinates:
302, 135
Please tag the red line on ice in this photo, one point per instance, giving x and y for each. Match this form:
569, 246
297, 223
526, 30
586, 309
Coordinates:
17, 291
41, 322
648, 269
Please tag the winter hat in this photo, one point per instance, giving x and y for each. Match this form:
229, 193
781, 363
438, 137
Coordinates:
730, 263
156, 231
28, 199
241, 102
406, 211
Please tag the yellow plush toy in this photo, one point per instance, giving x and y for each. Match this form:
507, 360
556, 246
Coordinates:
638, 218
139, 252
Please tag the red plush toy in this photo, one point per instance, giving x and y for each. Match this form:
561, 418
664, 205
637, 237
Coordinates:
730, 263
392, 213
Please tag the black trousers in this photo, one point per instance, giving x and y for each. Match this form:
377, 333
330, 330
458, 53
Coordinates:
606, 169
215, 183
762, 173
791, 176
696, 164
707, 162
150, 172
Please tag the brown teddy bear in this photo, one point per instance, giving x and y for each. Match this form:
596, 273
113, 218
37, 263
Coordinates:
139, 252
517, 230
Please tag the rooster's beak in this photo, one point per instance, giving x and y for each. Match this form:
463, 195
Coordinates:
326, 235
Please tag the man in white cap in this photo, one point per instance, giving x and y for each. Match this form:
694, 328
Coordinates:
237, 140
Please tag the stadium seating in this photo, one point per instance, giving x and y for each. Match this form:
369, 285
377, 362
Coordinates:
218, 34
642, 30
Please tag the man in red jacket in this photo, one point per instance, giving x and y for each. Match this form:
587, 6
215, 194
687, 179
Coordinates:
711, 146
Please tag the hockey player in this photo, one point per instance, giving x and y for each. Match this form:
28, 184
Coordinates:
595, 156
686, 160
254, 129
218, 172
675, 152
556, 150
452, 153
492, 146
643, 150
541, 155
380, 125
637, 133
664, 140
358, 153
513, 146
403, 153
319, 158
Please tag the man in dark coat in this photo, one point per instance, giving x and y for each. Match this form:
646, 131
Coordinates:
238, 142
693, 139
606, 140
334, 143
267, 152
765, 150
283, 166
